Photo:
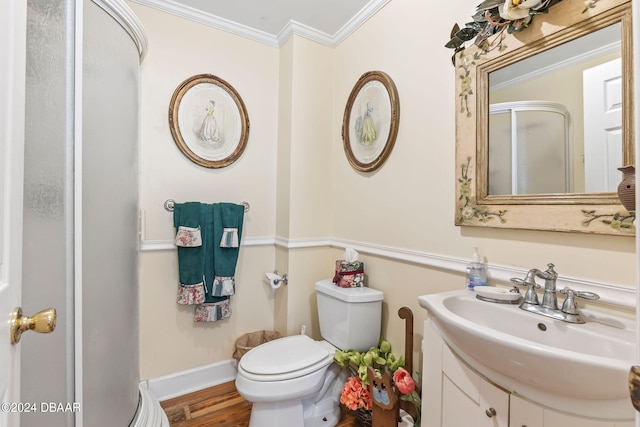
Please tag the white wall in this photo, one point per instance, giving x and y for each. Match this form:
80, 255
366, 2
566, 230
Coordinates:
296, 98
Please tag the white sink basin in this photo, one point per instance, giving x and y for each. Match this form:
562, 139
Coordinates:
549, 361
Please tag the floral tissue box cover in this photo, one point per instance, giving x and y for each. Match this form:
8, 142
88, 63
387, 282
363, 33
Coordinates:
349, 274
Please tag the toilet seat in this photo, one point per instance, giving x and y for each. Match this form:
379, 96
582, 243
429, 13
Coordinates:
284, 358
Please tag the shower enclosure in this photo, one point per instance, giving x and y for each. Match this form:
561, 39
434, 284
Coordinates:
531, 149
80, 218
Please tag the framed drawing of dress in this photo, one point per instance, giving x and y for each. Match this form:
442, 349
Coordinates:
208, 121
371, 119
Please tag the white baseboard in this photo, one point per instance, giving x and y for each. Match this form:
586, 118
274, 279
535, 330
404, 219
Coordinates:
184, 382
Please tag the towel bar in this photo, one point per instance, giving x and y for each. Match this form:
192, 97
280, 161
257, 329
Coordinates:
169, 203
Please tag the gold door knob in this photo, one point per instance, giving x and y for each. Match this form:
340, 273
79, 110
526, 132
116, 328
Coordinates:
44, 321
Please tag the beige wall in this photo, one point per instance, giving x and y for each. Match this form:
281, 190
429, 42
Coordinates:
304, 173
296, 97
179, 49
169, 340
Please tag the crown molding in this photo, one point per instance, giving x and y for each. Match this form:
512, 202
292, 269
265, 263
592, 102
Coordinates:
559, 65
290, 29
300, 29
360, 18
211, 20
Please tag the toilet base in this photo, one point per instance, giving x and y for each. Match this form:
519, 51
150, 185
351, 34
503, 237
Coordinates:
325, 413
277, 414
293, 413
320, 410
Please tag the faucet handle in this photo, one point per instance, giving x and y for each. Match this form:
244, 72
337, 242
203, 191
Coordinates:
551, 271
530, 296
570, 306
587, 295
521, 282
581, 294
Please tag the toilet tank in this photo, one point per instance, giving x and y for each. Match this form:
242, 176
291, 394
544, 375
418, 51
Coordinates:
350, 318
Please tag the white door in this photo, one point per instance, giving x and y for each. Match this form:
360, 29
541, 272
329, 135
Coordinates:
12, 75
603, 126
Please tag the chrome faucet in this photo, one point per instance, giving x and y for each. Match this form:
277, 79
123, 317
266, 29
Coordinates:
549, 298
549, 307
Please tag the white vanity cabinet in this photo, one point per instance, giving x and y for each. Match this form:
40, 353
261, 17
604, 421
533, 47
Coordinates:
455, 395
468, 399
527, 414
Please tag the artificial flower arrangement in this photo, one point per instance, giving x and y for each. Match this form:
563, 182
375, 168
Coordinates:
494, 16
355, 393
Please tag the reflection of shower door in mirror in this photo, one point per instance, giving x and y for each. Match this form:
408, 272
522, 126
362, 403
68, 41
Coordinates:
530, 150
602, 87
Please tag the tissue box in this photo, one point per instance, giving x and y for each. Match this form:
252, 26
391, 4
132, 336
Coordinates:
349, 274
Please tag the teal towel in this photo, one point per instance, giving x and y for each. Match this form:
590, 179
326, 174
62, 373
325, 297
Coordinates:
209, 243
190, 259
210, 263
226, 215
223, 215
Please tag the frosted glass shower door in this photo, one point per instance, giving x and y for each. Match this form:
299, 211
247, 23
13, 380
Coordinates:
110, 225
48, 209
81, 214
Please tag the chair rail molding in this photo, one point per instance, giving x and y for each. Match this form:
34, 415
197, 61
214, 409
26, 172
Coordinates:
610, 293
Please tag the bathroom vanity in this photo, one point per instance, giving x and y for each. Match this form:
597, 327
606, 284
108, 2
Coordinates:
460, 389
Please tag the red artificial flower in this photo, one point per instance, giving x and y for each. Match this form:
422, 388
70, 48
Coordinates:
403, 381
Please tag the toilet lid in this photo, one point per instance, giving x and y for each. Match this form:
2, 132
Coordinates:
284, 355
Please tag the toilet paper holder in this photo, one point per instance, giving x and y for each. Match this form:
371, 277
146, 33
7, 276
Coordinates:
276, 279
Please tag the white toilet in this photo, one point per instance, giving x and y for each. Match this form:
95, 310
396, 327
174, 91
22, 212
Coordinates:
292, 381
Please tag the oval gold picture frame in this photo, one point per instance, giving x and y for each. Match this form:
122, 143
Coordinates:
371, 119
208, 121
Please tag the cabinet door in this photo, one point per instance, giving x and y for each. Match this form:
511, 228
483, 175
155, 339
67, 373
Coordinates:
524, 413
468, 399
458, 409
557, 419
494, 406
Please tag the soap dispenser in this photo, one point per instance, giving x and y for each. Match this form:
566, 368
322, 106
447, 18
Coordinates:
476, 271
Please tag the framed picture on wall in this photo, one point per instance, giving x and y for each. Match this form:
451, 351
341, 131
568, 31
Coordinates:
371, 119
208, 121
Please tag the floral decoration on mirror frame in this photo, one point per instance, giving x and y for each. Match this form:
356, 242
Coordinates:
494, 16
470, 211
618, 221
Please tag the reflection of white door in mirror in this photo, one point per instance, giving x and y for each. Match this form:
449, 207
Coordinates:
602, 126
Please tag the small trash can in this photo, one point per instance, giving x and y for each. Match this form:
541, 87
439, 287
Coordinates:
253, 339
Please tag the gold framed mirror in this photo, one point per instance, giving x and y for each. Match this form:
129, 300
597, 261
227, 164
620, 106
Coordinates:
526, 149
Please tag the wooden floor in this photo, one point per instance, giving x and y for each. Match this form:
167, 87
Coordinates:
219, 406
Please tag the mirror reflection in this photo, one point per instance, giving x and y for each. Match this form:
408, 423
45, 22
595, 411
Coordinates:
555, 119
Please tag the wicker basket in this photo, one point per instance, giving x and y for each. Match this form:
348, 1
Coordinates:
253, 339
363, 417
